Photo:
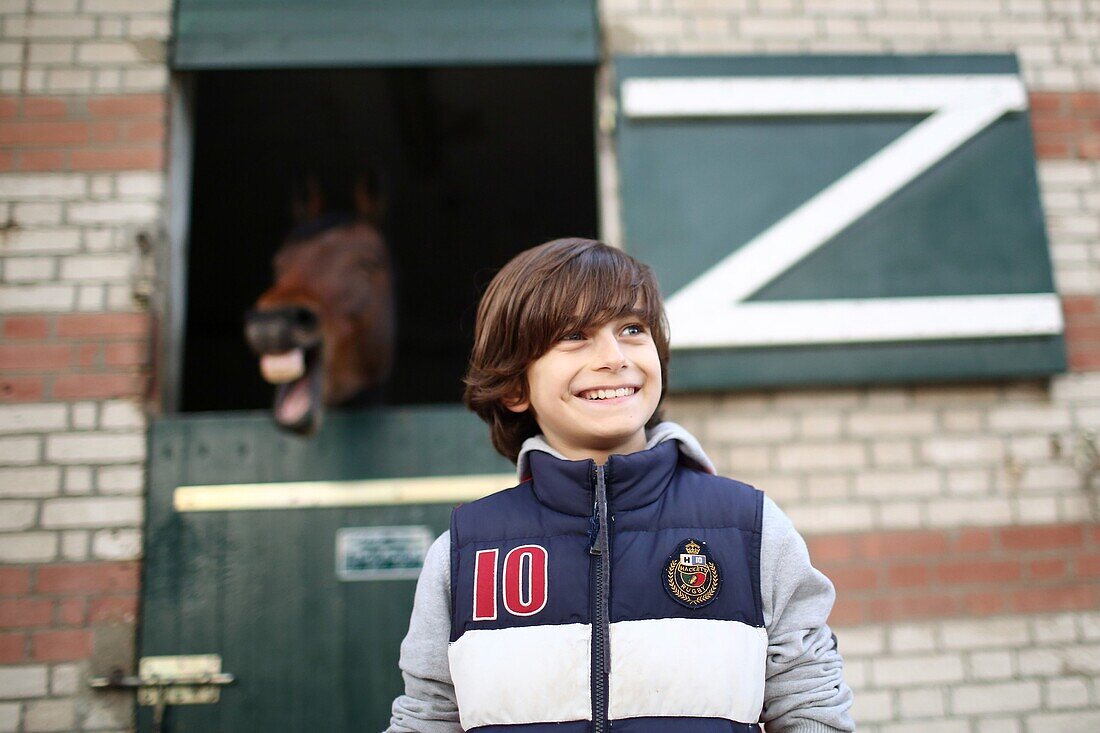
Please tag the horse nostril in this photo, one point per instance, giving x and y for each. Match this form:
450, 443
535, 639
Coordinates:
305, 319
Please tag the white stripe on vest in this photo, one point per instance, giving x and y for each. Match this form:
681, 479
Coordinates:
687, 667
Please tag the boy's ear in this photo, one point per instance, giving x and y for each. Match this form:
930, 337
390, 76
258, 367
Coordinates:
515, 403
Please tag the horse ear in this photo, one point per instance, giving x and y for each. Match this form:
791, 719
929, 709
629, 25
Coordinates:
308, 203
369, 202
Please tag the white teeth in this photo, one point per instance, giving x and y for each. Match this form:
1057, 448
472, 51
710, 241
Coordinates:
604, 394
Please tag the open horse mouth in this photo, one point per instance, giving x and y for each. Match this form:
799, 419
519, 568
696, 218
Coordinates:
297, 376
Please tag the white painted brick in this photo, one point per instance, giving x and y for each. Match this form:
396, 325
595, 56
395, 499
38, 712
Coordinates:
122, 414
821, 456
1090, 626
83, 415
1057, 628
749, 458
17, 515
917, 670
928, 726
984, 633
31, 298
781, 489
820, 425
1066, 694
90, 298
42, 241
964, 420
28, 269
900, 29
912, 638
79, 480
1076, 388
1084, 659
110, 212
96, 267
995, 698
855, 674
1029, 418
826, 518
121, 298
900, 515
999, 725
117, 544
872, 707
826, 486
1033, 448
65, 679
1064, 722
924, 703
107, 52
898, 484
158, 28
893, 453
102, 186
128, 7
889, 398
953, 397
55, 6
11, 53
28, 547
33, 481
111, 27
1036, 510
108, 80
149, 79
17, 451
141, 185
109, 511
39, 26
69, 80
49, 716
121, 480
909, 422
74, 545
844, 7
757, 429
968, 480
1041, 662
9, 717
1051, 477
96, 448
862, 641
23, 186
22, 682
808, 399
962, 451
1074, 509
779, 27
991, 665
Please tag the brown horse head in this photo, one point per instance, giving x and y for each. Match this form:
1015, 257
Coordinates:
324, 331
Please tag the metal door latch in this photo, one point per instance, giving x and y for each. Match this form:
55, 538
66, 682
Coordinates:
194, 679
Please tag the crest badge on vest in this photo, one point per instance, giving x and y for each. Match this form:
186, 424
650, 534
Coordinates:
691, 574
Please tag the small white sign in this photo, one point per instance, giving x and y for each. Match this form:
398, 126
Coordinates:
381, 553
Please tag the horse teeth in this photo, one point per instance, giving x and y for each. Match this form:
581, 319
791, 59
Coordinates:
283, 368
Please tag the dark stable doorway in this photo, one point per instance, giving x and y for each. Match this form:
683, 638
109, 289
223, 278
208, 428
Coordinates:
476, 165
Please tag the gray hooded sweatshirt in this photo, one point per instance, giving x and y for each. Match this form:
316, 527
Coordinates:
804, 689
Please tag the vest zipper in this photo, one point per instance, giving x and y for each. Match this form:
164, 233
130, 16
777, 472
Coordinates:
600, 588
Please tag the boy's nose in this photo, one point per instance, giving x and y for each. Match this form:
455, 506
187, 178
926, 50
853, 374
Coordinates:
609, 353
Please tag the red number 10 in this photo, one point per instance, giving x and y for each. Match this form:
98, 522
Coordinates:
525, 582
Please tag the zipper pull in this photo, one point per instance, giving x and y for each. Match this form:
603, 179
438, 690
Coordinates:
594, 531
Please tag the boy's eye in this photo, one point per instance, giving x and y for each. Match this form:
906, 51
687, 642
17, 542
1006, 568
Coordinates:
573, 336
634, 329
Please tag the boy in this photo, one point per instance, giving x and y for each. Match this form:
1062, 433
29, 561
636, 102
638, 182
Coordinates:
621, 583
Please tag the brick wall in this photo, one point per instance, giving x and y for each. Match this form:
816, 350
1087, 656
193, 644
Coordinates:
82, 130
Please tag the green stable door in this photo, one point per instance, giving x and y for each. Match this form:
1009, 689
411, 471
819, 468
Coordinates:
306, 600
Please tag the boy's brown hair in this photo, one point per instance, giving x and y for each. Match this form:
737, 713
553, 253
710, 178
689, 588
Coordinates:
540, 296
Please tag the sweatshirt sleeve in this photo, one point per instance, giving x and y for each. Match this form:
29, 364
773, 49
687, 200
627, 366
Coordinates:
804, 689
428, 705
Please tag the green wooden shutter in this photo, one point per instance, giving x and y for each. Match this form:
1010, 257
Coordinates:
237, 34
944, 273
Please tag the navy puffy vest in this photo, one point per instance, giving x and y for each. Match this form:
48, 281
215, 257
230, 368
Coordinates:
643, 617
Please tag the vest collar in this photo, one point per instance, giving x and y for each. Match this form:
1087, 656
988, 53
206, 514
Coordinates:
632, 480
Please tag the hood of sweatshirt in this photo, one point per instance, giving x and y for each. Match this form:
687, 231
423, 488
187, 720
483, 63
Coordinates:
689, 447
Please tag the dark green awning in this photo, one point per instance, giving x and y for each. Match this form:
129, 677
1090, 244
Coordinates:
242, 34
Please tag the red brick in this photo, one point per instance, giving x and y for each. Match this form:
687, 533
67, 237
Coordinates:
71, 611
1068, 598
9, 107
106, 577
105, 132
13, 648
985, 604
25, 612
1042, 538
92, 386
846, 613
145, 132
41, 160
1089, 101
1089, 148
926, 606
979, 571
900, 544
14, 581
44, 107
1088, 566
1045, 101
127, 106
7, 160
1084, 361
38, 356
151, 159
127, 354
853, 579
974, 540
1082, 331
87, 355
21, 389
1047, 569
1094, 534
1079, 304
1051, 150
44, 133
907, 576
1044, 125
120, 609
103, 324
62, 646
26, 327
829, 549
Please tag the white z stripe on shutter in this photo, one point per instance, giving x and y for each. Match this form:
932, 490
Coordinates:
711, 311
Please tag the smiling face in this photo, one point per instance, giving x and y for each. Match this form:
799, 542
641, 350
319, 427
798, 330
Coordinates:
595, 389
